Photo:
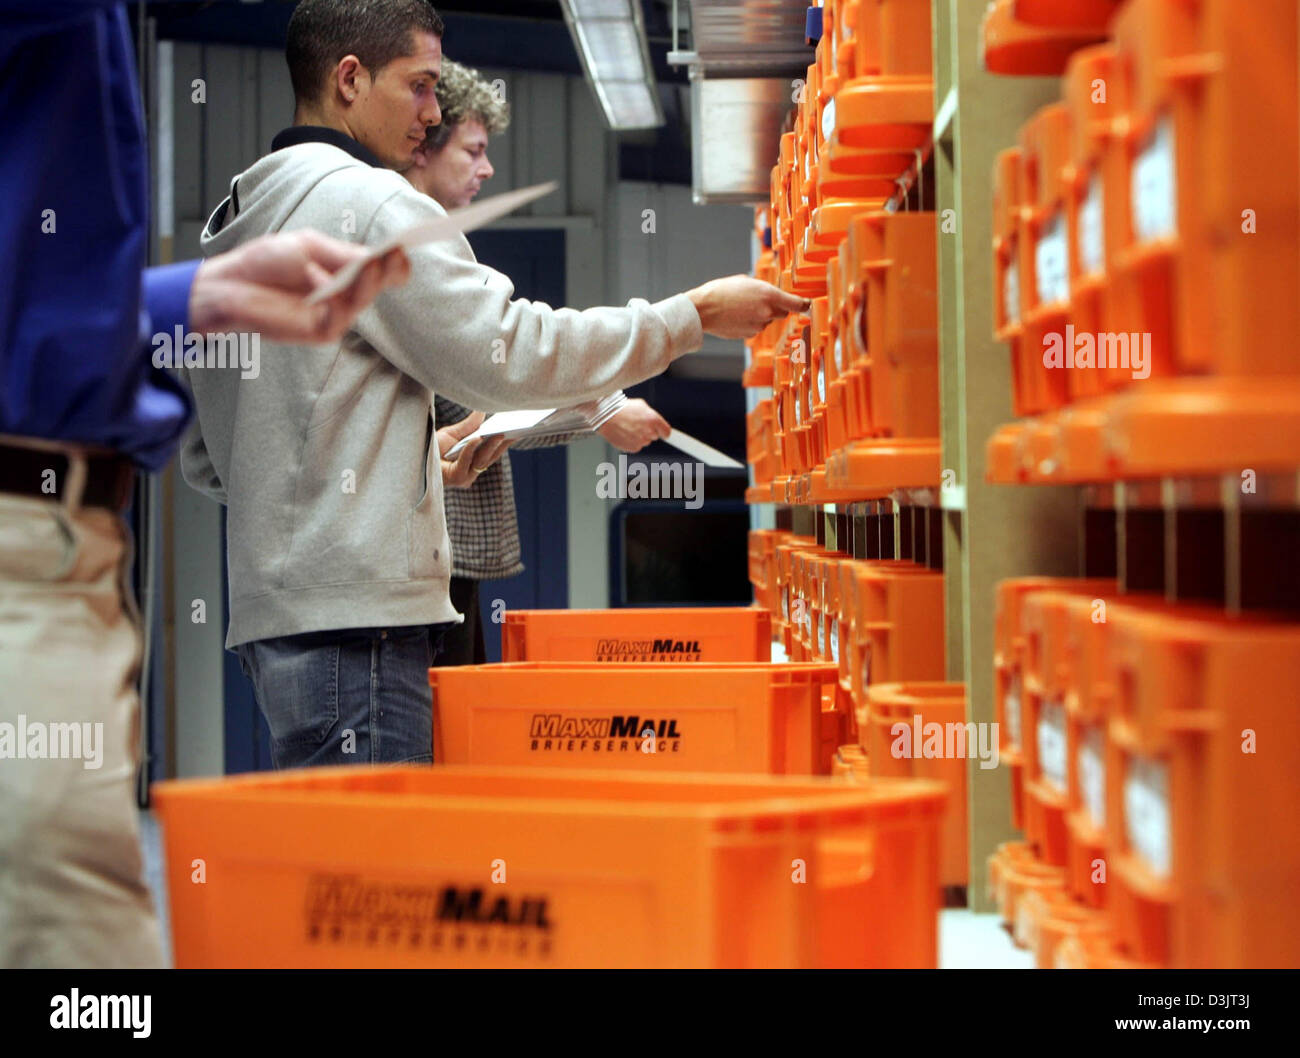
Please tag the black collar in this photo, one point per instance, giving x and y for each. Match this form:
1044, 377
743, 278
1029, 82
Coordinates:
297, 134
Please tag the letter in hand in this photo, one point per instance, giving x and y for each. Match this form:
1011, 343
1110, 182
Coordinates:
477, 455
634, 426
263, 285
741, 306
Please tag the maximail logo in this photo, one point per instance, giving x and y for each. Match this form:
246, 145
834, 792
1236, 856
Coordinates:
349, 909
604, 734
648, 650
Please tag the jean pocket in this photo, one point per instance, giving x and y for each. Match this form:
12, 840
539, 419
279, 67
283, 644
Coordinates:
297, 687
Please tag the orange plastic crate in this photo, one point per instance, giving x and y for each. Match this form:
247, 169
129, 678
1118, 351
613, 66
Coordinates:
1014, 45
897, 624
1086, 718
1093, 952
847, 29
1076, 14
1008, 670
1008, 281
790, 615
1203, 144
757, 717
1097, 196
1047, 685
1015, 874
850, 763
1083, 667
889, 101
1044, 262
480, 867
1203, 741
1048, 918
762, 569
658, 634
917, 706
843, 636
899, 269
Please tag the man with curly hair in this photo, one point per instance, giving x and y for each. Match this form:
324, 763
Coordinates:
452, 168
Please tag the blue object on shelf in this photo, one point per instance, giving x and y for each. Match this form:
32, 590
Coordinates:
767, 238
812, 27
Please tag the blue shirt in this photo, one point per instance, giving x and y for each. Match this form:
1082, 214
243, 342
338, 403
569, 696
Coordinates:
77, 305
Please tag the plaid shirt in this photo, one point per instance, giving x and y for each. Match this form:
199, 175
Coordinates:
481, 518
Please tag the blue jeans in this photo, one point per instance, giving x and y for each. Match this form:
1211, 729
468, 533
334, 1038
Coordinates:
348, 696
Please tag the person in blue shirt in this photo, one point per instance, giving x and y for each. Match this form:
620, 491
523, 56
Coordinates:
84, 406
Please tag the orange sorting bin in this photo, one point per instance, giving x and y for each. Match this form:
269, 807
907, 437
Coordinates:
1014, 873
1046, 360
1047, 685
933, 742
1008, 322
889, 101
652, 634
757, 717
897, 624
479, 867
1014, 45
1008, 669
1203, 740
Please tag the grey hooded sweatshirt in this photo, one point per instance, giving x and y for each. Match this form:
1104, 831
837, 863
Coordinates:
326, 459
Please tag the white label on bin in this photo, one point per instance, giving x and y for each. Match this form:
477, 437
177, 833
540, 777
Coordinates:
1011, 292
835, 640
866, 667
1050, 263
1051, 742
1146, 813
798, 410
839, 354
821, 638
1091, 763
785, 603
1155, 190
821, 381
828, 120
1011, 705
1092, 229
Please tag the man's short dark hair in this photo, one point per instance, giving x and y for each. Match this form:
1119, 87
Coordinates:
322, 32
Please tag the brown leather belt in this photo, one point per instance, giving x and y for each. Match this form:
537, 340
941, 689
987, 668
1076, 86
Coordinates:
25, 472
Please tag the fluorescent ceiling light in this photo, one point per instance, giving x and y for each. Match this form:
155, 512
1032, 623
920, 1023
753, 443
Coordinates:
610, 39
631, 105
612, 49
600, 8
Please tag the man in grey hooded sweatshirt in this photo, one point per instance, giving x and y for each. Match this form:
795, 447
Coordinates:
338, 551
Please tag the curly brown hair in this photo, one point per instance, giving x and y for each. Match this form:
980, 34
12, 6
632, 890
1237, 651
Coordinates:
464, 95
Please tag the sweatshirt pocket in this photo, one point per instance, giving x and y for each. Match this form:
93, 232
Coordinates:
428, 546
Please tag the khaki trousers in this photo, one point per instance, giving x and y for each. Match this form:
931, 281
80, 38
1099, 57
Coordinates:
72, 890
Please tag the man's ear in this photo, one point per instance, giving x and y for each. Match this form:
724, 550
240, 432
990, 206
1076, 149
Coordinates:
351, 78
